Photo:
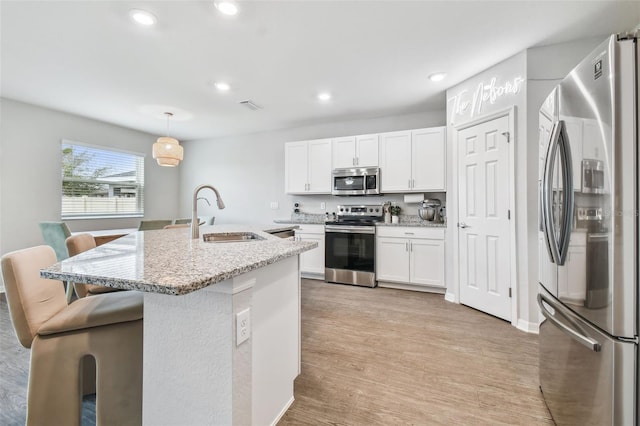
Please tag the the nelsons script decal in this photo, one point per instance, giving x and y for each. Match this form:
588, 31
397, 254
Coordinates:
471, 104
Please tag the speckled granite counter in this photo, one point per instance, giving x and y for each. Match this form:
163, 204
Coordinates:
169, 262
411, 220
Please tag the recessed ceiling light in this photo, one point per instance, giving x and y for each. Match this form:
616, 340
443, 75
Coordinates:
324, 96
439, 76
226, 7
222, 86
143, 17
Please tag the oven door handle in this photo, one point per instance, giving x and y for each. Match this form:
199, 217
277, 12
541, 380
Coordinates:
350, 229
590, 343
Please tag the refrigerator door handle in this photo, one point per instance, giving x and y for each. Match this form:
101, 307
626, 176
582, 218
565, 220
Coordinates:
564, 148
590, 343
547, 196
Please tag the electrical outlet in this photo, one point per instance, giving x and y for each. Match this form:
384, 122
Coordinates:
274, 205
323, 206
243, 326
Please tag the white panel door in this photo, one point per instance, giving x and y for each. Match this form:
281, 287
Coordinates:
427, 262
428, 159
319, 167
344, 152
395, 161
392, 259
367, 148
483, 217
296, 166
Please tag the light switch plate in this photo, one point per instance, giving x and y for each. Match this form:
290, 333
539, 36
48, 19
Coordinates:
274, 205
243, 326
323, 206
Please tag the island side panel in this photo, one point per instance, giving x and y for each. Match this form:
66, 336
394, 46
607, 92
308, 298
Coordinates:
276, 339
188, 372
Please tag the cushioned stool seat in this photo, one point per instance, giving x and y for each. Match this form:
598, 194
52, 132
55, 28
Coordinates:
107, 327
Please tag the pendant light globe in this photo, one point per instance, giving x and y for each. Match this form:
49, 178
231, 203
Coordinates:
167, 150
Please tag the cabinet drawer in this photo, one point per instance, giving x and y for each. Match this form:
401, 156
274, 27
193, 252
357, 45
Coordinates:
410, 232
310, 229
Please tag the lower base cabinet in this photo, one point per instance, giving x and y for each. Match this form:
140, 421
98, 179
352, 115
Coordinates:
312, 261
411, 257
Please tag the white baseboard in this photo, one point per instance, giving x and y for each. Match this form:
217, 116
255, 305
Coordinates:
528, 327
284, 410
450, 297
412, 287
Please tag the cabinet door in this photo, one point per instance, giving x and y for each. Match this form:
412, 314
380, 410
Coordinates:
395, 161
312, 261
592, 141
392, 259
428, 159
367, 148
574, 133
344, 152
572, 277
296, 165
319, 167
427, 262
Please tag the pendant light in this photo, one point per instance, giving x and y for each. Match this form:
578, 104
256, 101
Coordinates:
167, 151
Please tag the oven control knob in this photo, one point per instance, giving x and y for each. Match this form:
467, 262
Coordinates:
341, 209
377, 210
370, 210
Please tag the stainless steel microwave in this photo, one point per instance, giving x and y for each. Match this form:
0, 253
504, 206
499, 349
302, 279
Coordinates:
356, 181
593, 177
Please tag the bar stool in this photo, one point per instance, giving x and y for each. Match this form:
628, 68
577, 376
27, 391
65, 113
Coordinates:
107, 327
77, 244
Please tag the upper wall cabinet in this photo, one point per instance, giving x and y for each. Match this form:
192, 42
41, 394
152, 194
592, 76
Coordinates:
413, 161
308, 167
355, 151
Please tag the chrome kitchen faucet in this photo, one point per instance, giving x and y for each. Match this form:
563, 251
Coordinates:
195, 228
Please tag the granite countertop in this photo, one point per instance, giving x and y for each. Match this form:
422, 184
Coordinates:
168, 261
405, 220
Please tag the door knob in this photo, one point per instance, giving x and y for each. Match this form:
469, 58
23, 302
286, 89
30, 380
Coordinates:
462, 225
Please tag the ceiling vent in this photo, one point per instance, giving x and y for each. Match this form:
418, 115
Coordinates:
251, 105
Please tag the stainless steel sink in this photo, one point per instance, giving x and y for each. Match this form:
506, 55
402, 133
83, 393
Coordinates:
231, 237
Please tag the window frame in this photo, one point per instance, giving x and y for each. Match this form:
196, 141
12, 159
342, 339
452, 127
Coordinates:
140, 184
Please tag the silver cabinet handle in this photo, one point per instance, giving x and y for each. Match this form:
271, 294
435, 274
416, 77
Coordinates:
413, 183
409, 183
463, 225
406, 246
410, 245
357, 161
353, 161
590, 343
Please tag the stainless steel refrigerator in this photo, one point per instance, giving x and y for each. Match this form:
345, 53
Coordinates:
588, 240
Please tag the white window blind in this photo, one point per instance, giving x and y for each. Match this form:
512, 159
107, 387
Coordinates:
101, 183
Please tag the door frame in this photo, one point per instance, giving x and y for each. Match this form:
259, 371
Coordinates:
510, 113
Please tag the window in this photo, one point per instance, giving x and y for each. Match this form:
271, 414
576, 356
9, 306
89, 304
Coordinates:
101, 183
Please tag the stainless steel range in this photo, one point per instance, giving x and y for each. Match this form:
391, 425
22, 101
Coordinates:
350, 244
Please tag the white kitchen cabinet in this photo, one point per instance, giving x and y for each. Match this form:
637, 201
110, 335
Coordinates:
411, 258
355, 151
312, 261
413, 161
575, 134
572, 276
308, 167
592, 141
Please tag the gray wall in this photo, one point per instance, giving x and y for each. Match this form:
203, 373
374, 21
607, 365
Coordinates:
30, 175
248, 170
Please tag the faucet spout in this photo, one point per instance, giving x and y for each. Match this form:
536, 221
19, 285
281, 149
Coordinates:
195, 229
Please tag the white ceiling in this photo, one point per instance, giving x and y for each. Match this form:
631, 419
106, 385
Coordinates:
89, 58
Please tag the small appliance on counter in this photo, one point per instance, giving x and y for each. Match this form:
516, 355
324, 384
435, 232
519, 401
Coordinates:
430, 210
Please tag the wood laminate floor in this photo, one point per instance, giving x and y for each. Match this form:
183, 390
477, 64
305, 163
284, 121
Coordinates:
375, 357
393, 357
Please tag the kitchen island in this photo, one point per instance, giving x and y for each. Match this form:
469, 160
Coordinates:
221, 320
